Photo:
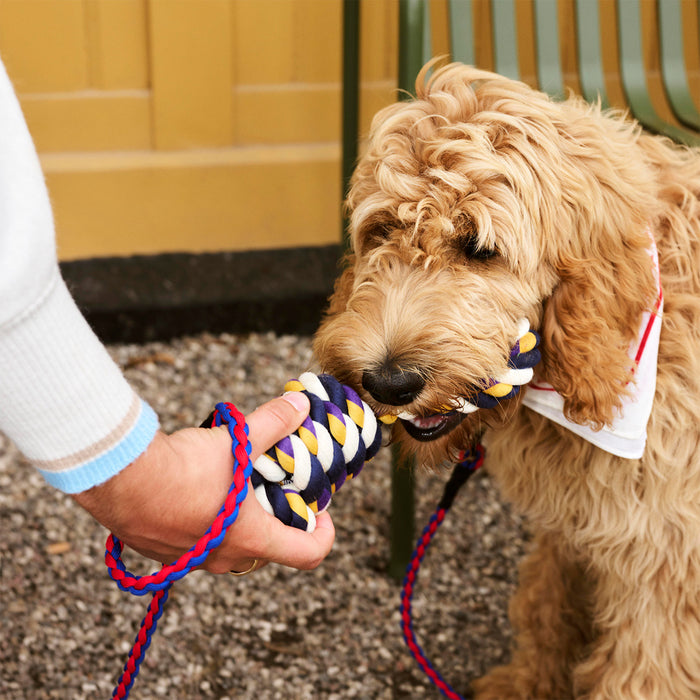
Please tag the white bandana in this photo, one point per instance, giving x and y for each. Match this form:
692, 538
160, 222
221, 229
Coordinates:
627, 435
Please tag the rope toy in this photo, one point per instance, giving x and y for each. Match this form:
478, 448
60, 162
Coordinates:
294, 480
524, 355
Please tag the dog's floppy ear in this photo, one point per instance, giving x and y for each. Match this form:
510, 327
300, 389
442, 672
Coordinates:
589, 324
606, 277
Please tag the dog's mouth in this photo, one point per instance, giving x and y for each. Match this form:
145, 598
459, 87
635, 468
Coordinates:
434, 425
431, 427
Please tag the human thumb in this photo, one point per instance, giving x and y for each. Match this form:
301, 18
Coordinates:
276, 419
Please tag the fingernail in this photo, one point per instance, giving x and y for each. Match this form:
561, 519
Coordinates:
297, 399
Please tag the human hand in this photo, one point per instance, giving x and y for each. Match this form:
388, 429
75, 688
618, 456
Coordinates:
163, 502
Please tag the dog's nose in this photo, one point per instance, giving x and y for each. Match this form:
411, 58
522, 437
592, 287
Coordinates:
393, 385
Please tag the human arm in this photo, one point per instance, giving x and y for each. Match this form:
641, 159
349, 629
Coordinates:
63, 401
163, 503
69, 409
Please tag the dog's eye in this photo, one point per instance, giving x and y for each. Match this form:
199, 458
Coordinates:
474, 250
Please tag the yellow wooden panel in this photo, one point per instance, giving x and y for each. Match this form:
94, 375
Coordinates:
525, 24
379, 30
318, 40
652, 62
43, 44
610, 50
289, 115
201, 201
375, 97
99, 121
483, 38
691, 48
117, 43
567, 44
264, 41
191, 73
107, 81
439, 28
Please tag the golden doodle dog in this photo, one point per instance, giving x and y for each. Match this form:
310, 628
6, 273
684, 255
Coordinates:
483, 202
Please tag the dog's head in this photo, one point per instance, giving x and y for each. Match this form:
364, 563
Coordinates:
479, 203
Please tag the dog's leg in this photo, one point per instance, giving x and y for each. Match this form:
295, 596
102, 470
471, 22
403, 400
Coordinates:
549, 615
648, 635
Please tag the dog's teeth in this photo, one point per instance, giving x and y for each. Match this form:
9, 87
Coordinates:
516, 377
462, 406
429, 421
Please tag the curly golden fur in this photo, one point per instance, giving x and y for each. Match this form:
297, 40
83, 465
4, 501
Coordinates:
483, 201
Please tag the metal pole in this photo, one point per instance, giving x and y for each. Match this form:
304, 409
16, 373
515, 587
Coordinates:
411, 35
403, 525
351, 100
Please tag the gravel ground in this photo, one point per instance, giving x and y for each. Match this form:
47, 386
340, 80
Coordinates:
332, 633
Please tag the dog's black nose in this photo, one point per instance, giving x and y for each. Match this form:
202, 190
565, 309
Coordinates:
393, 385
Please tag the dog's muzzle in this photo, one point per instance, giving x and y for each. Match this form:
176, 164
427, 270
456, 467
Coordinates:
396, 386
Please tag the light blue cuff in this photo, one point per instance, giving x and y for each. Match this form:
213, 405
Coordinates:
105, 466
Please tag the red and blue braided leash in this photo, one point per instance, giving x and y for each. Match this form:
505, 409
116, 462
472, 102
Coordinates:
160, 582
469, 462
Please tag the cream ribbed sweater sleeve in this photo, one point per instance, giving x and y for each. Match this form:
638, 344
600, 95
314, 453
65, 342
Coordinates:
63, 401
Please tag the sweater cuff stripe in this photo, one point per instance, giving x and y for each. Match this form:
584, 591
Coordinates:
110, 462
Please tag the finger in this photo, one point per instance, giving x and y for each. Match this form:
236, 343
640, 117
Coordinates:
259, 535
248, 566
299, 549
276, 419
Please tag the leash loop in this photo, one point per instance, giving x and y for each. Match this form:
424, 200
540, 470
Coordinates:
159, 583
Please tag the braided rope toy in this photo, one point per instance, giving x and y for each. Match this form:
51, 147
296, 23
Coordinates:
295, 479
